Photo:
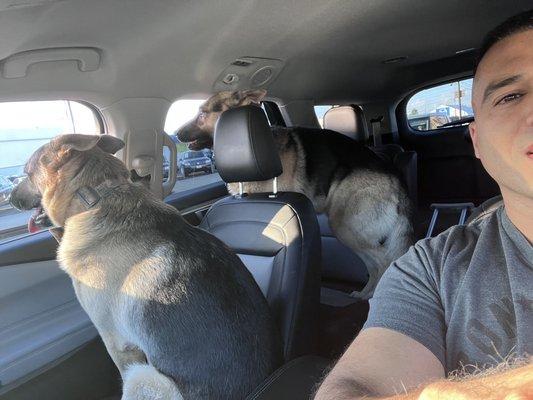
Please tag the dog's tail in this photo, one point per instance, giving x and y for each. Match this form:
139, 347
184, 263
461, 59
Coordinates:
144, 382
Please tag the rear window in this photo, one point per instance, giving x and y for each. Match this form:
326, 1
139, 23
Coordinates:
320, 111
439, 106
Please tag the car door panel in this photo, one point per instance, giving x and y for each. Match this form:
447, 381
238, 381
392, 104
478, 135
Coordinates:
40, 318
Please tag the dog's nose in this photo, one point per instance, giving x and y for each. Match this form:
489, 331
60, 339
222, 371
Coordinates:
20, 202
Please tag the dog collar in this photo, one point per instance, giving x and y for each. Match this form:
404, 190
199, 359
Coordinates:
90, 196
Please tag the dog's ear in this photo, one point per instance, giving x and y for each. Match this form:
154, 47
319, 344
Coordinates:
245, 97
110, 144
107, 143
78, 142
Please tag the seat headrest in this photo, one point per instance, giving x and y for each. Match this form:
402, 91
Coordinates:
348, 120
244, 147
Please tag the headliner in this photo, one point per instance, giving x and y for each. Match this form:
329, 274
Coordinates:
333, 50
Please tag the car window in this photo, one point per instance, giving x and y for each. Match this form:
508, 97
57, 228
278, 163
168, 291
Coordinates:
195, 168
320, 111
433, 108
24, 127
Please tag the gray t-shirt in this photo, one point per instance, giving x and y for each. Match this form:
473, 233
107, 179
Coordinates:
466, 295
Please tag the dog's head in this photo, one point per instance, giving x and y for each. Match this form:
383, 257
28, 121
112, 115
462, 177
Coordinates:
58, 169
199, 131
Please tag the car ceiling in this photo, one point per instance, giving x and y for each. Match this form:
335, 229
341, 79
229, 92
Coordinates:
332, 50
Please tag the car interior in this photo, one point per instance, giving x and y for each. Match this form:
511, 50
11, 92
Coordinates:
395, 76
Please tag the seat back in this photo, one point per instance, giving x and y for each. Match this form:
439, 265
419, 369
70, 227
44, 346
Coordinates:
275, 235
339, 262
278, 241
348, 120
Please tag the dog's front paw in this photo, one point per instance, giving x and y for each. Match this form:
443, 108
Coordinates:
144, 382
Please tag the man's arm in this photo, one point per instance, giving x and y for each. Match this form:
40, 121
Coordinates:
387, 365
380, 362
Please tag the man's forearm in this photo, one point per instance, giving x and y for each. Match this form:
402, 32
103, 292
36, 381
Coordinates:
515, 382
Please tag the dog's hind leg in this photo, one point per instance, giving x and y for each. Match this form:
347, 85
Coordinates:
122, 353
364, 214
144, 382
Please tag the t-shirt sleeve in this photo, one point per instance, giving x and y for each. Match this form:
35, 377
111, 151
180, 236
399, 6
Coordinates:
407, 298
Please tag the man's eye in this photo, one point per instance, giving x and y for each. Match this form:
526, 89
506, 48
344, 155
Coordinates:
509, 98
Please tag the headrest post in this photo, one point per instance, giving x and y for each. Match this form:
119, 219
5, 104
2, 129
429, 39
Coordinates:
274, 188
241, 190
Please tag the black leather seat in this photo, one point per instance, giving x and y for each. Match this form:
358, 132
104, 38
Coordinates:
339, 263
276, 236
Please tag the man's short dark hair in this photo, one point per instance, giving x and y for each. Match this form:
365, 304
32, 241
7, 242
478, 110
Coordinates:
516, 24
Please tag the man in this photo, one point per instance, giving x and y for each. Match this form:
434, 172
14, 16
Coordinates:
463, 301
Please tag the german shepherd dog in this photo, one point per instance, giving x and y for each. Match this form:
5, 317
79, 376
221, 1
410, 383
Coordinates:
366, 204
179, 313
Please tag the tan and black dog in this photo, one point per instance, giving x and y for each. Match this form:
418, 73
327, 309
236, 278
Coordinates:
178, 311
366, 204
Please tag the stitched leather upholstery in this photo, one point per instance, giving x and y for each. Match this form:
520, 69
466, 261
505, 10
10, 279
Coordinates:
278, 240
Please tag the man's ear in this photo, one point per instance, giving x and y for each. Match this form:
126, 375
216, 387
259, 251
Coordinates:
473, 134
110, 144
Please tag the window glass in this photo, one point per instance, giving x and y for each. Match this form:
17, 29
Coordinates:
24, 127
432, 108
320, 111
195, 168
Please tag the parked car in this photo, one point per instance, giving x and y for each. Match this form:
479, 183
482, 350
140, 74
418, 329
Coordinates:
194, 161
166, 168
6, 186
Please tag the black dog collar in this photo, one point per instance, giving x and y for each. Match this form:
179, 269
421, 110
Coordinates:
90, 196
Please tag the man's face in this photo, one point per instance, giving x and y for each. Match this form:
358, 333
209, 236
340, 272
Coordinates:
503, 105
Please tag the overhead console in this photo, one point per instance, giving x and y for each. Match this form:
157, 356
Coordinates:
248, 73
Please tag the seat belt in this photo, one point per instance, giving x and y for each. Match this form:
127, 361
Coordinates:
376, 129
448, 208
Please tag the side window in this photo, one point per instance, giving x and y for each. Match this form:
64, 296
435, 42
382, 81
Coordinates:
438, 106
196, 167
24, 127
320, 111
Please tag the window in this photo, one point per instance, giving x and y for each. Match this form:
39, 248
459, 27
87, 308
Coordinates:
320, 111
24, 127
195, 168
435, 107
